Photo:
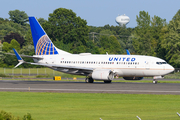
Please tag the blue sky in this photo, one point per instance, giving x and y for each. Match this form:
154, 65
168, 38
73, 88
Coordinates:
95, 12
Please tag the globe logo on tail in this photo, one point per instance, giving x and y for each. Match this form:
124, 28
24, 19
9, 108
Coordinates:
45, 46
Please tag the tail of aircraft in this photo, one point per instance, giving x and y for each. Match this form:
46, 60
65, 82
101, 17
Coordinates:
42, 43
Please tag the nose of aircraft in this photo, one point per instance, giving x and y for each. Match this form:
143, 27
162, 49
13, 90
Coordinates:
171, 68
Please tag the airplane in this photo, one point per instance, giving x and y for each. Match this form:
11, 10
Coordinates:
103, 67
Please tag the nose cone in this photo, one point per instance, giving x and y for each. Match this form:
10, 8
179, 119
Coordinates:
170, 68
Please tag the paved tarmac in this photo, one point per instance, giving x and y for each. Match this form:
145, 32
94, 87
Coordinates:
97, 87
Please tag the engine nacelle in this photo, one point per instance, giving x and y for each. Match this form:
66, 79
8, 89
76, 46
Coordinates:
133, 78
103, 75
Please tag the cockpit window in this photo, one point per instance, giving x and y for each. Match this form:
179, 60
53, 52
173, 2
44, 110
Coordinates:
159, 63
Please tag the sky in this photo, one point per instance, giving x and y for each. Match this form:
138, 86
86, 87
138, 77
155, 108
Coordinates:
95, 12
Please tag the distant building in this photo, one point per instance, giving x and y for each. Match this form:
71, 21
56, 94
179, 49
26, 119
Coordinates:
122, 20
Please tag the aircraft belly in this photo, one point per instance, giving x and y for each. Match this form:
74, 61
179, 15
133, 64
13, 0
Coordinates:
140, 72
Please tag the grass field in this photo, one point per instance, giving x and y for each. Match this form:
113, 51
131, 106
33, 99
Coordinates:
91, 106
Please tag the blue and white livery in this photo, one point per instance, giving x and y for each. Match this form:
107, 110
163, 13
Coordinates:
94, 67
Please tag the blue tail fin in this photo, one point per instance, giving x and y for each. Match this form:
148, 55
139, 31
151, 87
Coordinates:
42, 44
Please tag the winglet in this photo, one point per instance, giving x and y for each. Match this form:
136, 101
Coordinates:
17, 55
21, 61
127, 51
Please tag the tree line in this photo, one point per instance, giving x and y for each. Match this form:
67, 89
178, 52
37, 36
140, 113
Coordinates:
152, 36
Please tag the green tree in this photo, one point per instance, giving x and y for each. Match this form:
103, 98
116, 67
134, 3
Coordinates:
171, 42
14, 44
92, 48
11, 27
158, 30
110, 44
7, 28
15, 36
2, 21
115, 45
147, 35
42, 20
7, 116
27, 117
142, 35
19, 17
6, 46
122, 34
64, 25
28, 38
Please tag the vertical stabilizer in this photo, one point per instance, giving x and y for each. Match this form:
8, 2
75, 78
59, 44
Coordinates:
42, 44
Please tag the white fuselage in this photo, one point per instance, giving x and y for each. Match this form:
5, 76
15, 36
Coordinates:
122, 65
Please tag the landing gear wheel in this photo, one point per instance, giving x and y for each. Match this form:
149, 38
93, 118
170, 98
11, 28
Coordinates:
86, 80
107, 81
155, 81
89, 80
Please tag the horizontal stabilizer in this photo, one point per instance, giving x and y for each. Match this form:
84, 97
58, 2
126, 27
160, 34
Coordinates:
25, 56
19, 64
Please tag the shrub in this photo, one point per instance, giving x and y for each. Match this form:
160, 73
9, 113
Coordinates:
7, 116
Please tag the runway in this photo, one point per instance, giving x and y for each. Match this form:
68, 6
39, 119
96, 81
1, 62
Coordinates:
97, 87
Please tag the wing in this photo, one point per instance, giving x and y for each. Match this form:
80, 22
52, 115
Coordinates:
62, 68
68, 69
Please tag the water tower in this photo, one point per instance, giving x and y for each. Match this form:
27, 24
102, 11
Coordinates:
122, 20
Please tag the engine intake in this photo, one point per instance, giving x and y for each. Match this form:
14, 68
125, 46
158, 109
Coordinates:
103, 75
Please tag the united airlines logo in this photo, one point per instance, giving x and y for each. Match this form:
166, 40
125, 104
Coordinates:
45, 46
121, 59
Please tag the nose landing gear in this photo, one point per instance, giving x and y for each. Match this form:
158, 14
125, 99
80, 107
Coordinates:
157, 77
155, 81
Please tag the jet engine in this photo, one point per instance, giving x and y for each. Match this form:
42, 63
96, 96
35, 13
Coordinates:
133, 78
103, 75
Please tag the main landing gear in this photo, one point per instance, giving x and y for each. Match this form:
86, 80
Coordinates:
157, 77
89, 80
107, 81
